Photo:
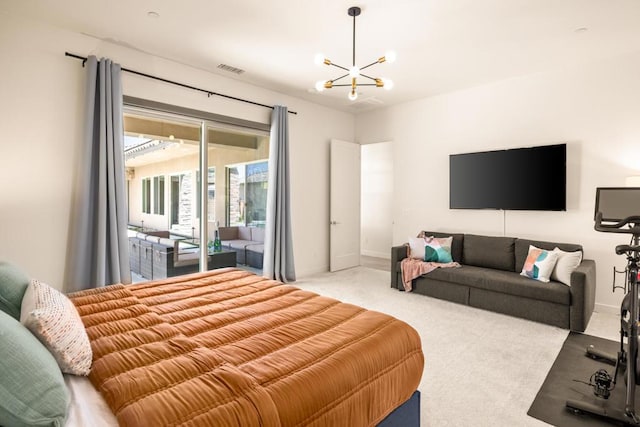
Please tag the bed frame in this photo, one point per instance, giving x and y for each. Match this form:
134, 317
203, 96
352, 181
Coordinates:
405, 415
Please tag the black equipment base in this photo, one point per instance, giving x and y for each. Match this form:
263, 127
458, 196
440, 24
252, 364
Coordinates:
559, 386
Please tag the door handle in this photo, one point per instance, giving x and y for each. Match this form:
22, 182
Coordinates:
333, 223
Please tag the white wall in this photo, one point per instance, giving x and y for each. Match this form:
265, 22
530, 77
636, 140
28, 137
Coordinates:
594, 108
42, 95
376, 215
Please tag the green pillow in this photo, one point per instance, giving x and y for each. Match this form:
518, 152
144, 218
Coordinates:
13, 284
437, 249
32, 389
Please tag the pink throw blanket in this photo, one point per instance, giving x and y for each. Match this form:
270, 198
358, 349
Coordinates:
412, 268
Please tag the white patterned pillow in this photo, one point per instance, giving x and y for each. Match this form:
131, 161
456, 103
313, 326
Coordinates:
53, 318
539, 264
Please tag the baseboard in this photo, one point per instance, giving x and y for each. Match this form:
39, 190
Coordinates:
609, 309
385, 255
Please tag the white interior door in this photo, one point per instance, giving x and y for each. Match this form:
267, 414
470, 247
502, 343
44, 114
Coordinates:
344, 222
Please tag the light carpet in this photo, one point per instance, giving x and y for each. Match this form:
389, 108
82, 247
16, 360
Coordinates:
481, 368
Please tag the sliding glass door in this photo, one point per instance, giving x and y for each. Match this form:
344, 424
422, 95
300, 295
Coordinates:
163, 158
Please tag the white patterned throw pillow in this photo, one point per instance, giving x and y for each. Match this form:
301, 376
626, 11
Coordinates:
54, 320
539, 264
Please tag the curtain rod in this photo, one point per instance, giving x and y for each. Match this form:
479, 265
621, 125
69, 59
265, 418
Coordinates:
208, 92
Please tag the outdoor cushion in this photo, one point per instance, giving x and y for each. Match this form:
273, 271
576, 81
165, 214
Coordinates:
244, 233
228, 233
238, 244
257, 234
258, 248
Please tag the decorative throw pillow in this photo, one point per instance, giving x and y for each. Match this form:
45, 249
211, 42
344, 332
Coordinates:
416, 247
539, 264
438, 249
13, 284
32, 389
54, 320
566, 264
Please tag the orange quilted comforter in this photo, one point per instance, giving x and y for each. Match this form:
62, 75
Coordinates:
229, 348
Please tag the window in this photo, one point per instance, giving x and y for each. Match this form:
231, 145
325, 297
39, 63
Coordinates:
158, 195
146, 195
247, 194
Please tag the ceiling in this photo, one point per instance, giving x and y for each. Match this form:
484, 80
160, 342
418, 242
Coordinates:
441, 45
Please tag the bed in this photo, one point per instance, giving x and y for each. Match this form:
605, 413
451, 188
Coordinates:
227, 347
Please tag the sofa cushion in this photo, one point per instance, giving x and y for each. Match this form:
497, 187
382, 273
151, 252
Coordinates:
522, 249
257, 234
456, 244
489, 251
244, 233
507, 282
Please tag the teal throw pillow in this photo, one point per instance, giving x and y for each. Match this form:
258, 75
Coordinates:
13, 284
32, 389
438, 249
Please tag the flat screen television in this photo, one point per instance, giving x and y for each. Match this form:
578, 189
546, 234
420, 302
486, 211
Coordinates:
531, 178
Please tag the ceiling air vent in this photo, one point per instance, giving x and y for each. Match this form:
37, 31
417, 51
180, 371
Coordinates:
230, 69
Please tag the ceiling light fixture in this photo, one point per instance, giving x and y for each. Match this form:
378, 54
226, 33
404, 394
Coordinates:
354, 71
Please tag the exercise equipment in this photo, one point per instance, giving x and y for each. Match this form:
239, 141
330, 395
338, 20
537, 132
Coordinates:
618, 211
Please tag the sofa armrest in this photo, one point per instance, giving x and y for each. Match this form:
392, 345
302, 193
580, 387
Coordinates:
398, 253
583, 295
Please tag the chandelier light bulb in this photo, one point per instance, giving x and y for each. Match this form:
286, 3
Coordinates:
354, 71
388, 84
320, 85
319, 59
353, 95
390, 56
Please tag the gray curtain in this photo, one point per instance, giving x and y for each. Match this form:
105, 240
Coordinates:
278, 246
100, 250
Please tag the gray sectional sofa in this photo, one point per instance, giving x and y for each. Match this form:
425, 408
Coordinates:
248, 242
490, 279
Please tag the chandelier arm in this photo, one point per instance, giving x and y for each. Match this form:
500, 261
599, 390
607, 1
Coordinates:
368, 77
345, 85
341, 77
340, 66
369, 65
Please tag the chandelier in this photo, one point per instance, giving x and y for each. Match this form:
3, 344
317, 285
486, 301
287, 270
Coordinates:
354, 72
